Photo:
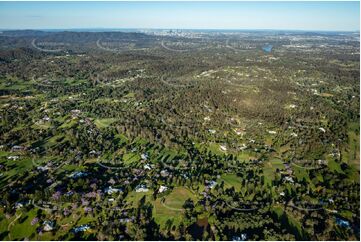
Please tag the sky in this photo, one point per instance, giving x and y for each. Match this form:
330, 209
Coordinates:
327, 16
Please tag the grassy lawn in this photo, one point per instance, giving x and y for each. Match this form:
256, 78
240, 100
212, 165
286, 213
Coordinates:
172, 206
16, 85
130, 158
55, 140
24, 229
334, 166
215, 149
4, 222
231, 180
18, 167
245, 156
167, 155
43, 160
46, 125
72, 167
177, 197
284, 148
130, 95
104, 122
162, 214
269, 140
301, 173
269, 169
133, 197
121, 139
68, 124
351, 154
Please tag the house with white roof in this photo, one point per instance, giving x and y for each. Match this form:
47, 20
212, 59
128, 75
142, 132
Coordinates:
162, 189
141, 188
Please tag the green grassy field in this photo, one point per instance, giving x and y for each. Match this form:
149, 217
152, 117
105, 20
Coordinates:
134, 197
215, 149
269, 169
351, 154
68, 124
55, 140
231, 180
18, 167
46, 125
177, 197
246, 156
24, 229
171, 206
104, 122
130, 158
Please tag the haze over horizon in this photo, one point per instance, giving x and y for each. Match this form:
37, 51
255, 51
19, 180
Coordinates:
308, 16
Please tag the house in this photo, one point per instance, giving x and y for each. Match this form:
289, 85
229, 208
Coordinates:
43, 168
243, 147
237, 131
322, 129
162, 189
272, 132
111, 190
223, 147
144, 156
342, 223
211, 184
141, 188
69, 193
18, 205
46, 118
126, 220
13, 157
48, 226
212, 131
18, 148
243, 237
81, 228
289, 179
94, 153
164, 173
292, 106
75, 113
77, 174
147, 167
322, 162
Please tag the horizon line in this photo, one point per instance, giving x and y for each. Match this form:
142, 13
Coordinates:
159, 28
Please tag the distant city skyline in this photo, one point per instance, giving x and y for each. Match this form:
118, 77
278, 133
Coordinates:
321, 16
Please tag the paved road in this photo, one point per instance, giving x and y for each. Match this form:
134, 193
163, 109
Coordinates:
115, 50
44, 50
170, 49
